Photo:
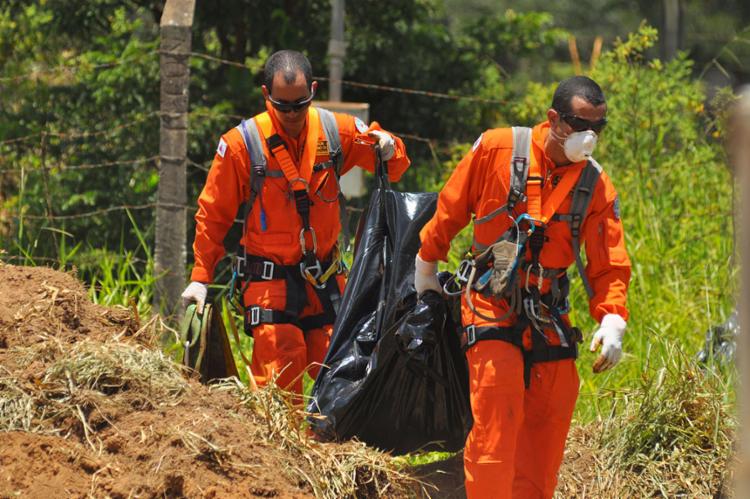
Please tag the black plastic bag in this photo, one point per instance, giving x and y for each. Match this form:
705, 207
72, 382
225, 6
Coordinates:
394, 375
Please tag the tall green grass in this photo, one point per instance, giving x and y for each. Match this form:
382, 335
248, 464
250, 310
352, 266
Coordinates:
114, 277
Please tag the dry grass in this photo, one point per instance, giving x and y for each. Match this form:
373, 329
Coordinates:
64, 387
671, 436
345, 470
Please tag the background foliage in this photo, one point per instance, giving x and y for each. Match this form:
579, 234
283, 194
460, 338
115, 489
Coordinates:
79, 127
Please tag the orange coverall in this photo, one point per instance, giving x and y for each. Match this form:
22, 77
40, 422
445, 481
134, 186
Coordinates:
282, 350
516, 444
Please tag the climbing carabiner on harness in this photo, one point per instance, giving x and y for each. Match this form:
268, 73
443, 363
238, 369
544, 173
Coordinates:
460, 278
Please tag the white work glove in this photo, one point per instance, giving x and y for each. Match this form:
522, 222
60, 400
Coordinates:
609, 336
386, 143
425, 276
195, 292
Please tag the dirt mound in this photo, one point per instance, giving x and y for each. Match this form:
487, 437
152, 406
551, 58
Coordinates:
36, 302
87, 407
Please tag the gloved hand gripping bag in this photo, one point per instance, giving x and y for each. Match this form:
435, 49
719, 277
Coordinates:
394, 375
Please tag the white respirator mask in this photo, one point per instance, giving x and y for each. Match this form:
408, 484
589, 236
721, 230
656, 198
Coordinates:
577, 146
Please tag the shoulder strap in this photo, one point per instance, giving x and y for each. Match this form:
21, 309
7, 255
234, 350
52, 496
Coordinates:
519, 172
257, 157
331, 129
582, 195
519, 165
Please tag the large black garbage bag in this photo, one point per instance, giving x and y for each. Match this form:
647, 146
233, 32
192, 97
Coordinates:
394, 375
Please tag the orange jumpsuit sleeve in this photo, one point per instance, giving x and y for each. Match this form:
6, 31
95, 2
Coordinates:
356, 146
608, 267
227, 186
455, 205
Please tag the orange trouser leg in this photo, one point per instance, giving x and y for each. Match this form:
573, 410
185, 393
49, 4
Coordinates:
317, 341
497, 405
279, 350
284, 350
548, 409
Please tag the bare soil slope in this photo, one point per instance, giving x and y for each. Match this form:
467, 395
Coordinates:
89, 408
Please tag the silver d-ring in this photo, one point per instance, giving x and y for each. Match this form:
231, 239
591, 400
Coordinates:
304, 182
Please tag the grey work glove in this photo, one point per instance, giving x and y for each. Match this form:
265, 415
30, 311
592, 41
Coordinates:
425, 276
386, 143
195, 292
609, 336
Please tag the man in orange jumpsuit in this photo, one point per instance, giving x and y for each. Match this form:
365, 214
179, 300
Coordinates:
286, 162
521, 350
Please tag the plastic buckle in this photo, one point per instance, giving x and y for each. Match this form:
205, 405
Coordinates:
514, 195
254, 315
268, 268
238, 266
274, 142
575, 224
471, 335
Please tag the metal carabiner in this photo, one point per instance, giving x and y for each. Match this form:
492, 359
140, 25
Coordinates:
539, 279
463, 271
312, 273
302, 241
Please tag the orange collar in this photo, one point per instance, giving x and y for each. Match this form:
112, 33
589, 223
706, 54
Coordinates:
538, 168
302, 168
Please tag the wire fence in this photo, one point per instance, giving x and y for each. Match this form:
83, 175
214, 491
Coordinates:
30, 154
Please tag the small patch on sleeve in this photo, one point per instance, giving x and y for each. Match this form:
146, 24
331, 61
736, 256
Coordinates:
476, 143
361, 127
616, 207
222, 149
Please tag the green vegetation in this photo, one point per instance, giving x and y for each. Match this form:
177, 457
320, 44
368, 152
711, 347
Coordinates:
670, 434
78, 122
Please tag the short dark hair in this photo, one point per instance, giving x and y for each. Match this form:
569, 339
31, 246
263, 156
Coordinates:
577, 86
289, 63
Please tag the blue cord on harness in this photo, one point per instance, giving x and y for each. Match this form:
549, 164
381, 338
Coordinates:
263, 221
231, 286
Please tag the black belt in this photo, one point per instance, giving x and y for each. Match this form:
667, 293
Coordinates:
540, 351
258, 269
261, 269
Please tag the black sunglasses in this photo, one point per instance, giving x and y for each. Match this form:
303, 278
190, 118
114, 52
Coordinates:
581, 125
288, 107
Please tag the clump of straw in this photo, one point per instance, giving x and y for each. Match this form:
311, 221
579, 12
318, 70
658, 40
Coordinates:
331, 471
672, 435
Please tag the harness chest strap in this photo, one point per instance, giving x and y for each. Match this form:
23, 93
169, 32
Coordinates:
276, 146
543, 213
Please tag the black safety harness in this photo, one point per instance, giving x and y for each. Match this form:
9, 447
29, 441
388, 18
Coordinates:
249, 268
533, 310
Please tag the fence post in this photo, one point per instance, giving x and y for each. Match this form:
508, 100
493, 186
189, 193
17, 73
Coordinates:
171, 216
740, 155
